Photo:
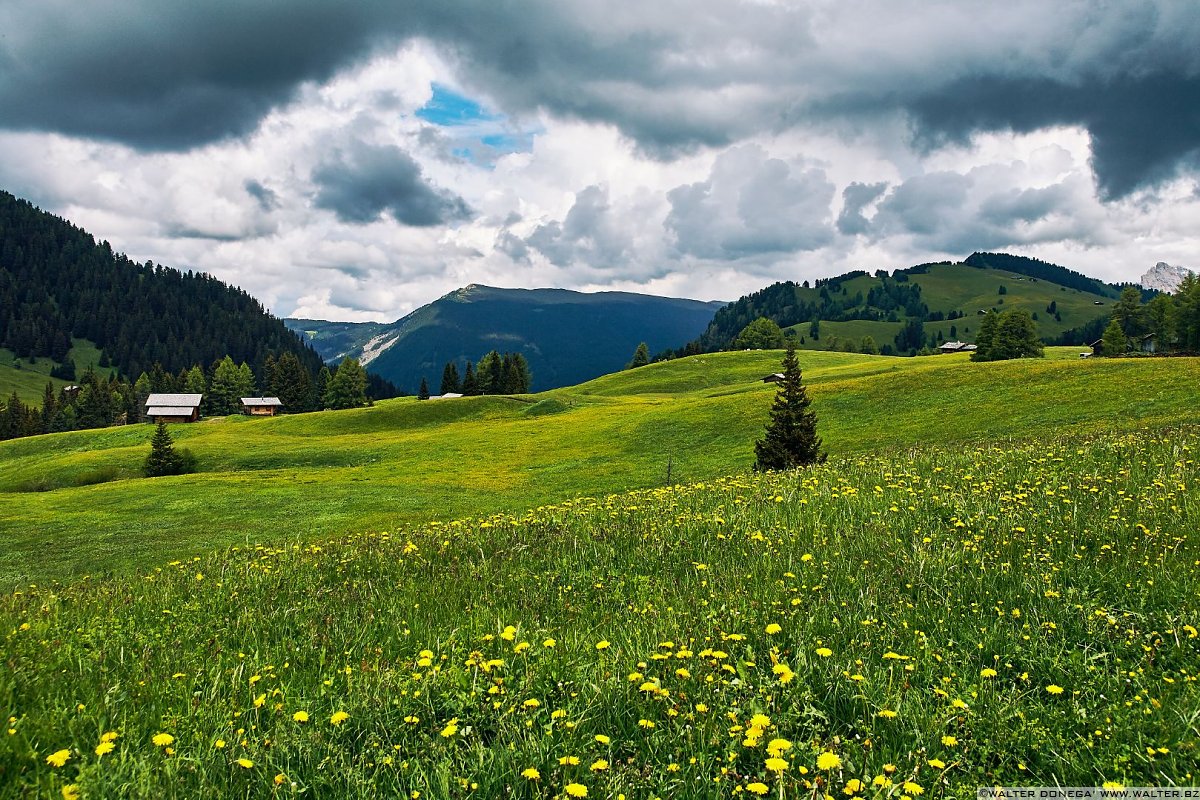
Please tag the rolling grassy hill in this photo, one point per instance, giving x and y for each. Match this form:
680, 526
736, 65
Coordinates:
28, 377
73, 503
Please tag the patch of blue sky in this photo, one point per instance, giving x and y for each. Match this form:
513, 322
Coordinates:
478, 135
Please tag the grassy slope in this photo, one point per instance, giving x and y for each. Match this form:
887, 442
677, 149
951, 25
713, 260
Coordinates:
29, 380
405, 461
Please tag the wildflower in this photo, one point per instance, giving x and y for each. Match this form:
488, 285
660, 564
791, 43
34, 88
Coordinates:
701, 707
913, 789
1054, 688
645, 723
412, 719
576, 790
530, 774
162, 739
776, 764
760, 721
778, 747
824, 652
550, 642
773, 629
110, 736
104, 748
828, 761
531, 703
887, 713
70, 792
338, 717
569, 761
757, 788
219, 744
599, 765
957, 703
603, 644
936, 763
1117, 785
245, 763
853, 786
258, 701
300, 716
280, 778
949, 741
602, 739
509, 633
450, 729
58, 758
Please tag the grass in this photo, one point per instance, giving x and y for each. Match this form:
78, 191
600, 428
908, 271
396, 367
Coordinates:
73, 504
896, 622
28, 377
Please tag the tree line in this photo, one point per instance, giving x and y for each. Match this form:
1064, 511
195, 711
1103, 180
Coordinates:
495, 373
1171, 321
98, 401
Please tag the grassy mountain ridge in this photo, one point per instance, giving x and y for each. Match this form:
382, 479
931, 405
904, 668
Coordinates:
406, 461
566, 336
945, 298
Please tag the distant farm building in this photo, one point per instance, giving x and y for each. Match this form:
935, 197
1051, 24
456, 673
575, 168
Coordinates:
774, 377
261, 406
1149, 343
173, 407
957, 347
1097, 347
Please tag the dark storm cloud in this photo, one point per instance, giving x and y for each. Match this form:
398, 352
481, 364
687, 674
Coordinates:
267, 199
855, 198
589, 233
671, 75
1142, 126
363, 182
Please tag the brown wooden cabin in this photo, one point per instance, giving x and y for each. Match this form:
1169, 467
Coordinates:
261, 406
173, 407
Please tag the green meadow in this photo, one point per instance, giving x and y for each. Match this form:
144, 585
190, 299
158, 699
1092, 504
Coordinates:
74, 504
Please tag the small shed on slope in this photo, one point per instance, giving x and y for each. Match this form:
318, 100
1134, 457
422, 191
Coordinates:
173, 407
261, 406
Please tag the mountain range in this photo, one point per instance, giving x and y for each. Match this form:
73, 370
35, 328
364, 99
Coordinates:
567, 337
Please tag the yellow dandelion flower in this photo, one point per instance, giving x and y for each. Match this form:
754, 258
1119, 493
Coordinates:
602, 739
576, 790
603, 644
245, 763
887, 713
258, 701
852, 787
776, 764
760, 721
338, 717
599, 765
949, 741
70, 792
162, 739
219, 744
58, 758
1117, 785
987, 672
280, 779
824, 652
778, 747
300, 716
532, 703
828, 761
773, 629
913, 789
549, 643
1054, 688
110, 736
569, 761
450, 729
936, 763
530, 774
757, 788
645, 723
104, 748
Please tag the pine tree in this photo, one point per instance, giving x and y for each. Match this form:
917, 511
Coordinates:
641, 357
49, 407
791, 437
450, 383
423, 392
489, 373
1114, 342
348, 386
470, 386
163, 460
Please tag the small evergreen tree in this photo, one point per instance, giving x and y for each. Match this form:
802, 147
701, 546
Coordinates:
163, 460
641, 357
423, 392
470, 386
1114, 342
761, 334
791, 437
348, 386
450, 382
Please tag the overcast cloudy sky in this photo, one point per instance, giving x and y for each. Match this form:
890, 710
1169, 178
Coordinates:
356, 160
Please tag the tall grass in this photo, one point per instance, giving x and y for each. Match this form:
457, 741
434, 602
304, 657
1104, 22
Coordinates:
918, 623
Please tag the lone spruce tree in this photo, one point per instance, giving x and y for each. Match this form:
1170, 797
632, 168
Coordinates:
163, 460
423, 392
791, 439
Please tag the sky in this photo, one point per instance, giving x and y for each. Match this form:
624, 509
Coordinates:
354, 161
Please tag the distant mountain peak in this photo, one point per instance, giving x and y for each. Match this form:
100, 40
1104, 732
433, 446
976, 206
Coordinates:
1164, 277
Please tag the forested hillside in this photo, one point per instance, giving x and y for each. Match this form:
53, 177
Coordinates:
57, 282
